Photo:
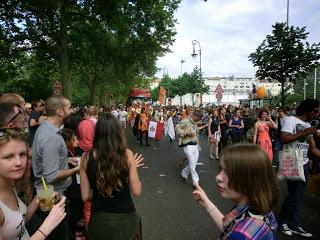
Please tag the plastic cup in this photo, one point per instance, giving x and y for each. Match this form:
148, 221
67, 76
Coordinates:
78, 160
45, 197
78, 175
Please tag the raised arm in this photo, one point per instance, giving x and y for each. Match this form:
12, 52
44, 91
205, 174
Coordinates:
134, 181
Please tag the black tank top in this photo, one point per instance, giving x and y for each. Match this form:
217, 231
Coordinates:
120, 202
214, 125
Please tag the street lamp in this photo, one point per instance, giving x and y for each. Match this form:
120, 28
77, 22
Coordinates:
182, 62
287, 13
165, 71
194, 54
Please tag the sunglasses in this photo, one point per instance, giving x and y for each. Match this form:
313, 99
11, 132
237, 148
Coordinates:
20, 111
5, 131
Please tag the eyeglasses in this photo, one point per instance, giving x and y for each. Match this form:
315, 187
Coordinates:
315, 110
4, 131
20, 111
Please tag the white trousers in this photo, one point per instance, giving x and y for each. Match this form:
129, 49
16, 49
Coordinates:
192, 154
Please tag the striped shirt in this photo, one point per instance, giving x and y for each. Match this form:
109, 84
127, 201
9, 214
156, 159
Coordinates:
240, 224
50, 156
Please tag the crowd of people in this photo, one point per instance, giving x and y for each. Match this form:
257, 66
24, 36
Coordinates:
82, 152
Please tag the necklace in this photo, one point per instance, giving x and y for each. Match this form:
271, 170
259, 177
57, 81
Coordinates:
22, 223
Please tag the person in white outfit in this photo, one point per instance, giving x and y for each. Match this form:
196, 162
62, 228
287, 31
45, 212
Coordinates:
187, 131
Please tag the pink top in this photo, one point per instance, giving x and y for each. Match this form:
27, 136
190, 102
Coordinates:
86, 133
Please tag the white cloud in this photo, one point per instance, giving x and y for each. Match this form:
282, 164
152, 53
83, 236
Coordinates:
229, 30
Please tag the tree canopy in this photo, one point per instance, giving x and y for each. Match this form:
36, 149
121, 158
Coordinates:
285, 55
184, 84
94, 44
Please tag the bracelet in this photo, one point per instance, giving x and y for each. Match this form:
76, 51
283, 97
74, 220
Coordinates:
42, 233
211, 209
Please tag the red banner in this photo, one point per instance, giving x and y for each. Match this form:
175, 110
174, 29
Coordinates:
162, 95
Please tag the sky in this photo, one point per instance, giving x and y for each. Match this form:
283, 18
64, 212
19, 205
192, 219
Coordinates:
229, 30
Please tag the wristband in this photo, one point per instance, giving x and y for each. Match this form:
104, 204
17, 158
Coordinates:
42, 233
211, 209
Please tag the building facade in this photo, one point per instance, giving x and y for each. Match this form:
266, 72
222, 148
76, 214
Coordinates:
233, 89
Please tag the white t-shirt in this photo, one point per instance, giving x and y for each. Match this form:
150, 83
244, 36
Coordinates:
122, 116
294, 125
115, 113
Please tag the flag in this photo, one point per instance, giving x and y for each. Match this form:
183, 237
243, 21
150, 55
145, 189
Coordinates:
155, 130
152, 129
162, 95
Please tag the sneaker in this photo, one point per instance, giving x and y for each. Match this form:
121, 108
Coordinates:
300, 231
185, 179
285, 229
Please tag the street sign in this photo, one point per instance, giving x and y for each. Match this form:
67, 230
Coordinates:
57, 87
219, 96
219, 89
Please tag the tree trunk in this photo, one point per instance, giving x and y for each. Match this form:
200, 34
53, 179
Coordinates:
64, 59
282, 93
92, 92
192, 100
181, 101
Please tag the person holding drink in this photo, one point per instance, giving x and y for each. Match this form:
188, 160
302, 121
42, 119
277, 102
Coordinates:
14, 214
252, 216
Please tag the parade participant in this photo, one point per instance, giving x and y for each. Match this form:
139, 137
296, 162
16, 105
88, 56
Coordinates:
123, 118
281, 115
115, 112
50, 155
223, 128
13, 98
188, 139
169, 128
75, 221
35, 119
143, 127
297, 133
214, 133
13, 212
252, 216
110, 170
236, 125
86, 130
261, 132
13, 116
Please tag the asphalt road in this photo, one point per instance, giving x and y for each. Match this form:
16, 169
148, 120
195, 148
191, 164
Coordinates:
166, 204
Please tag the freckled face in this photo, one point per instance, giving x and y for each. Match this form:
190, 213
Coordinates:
13, 159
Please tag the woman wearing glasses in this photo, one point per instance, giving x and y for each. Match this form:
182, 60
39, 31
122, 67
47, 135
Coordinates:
13, 212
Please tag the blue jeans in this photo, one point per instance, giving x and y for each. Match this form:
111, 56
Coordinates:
290, 210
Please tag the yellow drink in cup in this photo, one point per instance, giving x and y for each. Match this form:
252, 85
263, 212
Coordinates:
45, 197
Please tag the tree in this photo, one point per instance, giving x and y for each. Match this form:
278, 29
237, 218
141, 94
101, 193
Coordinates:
190, 83
133, 34
285, 55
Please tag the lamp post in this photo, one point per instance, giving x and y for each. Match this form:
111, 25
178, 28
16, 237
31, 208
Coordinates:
182, 62
287, 13
165, 71
194, 54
